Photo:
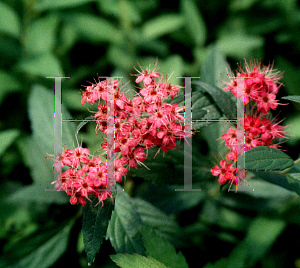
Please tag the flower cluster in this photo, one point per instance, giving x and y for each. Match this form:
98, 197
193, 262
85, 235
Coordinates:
139, 124
257, 88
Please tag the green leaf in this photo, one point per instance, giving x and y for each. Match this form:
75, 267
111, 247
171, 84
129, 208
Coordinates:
9, 21
8, 84
7, 137
264, 158
93, 28
172, 201
195, 23
162, 250
41, 37
42, 65
136, 261
292, 98
261, 235
41, 115
290, 181
162, 25
239, 45
222, 100
123, 229
154, 218
58, 4
83, 123
39, 250
213, 67
94, 225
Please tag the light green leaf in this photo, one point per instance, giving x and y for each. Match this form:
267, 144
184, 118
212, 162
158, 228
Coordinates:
292, 98
123, 231
39, 250
41, 37
162, 250
7, 137
9, 21
195, 23
93, 28
58, 4
239, 45
94, 225
214, 66
162, 25
42, 65
136, 261
41, 114
264, 158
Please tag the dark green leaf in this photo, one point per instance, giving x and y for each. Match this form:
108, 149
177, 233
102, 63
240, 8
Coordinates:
94, 225
222, 100
39, 250
154, 218
136, 261
195, 23
162, 250
7, 137
291, 181
123, 229
264, 158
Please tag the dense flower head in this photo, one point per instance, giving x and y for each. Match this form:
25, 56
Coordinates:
144, 122
257, 87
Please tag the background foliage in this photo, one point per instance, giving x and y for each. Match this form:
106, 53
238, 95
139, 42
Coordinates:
83, 38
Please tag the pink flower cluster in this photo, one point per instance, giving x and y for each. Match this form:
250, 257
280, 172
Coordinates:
139, 124
260, 86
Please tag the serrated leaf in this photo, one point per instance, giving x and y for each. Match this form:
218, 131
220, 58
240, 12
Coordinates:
264, 158
162, 25
9, 21
195, 23
162, 250
136, 261
292, 98
213, 67
39, 250
222, 100
94, 225
7, 137
123, 229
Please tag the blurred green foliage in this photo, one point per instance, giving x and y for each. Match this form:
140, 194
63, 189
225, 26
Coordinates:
83, 38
